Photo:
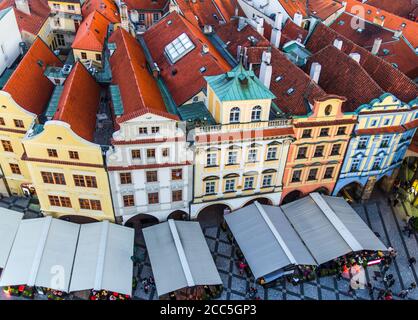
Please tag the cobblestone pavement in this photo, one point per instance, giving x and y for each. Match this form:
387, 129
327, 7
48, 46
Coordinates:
381, 218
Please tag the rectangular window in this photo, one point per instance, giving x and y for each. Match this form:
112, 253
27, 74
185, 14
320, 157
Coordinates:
98, 57
252, 155
141, 17
267, 180
59, 178
52, 153
143, 130
165, 152
385, 142
355, 164
210, 187
362, 144
211, 159
125, 178
312, 174
65, 202
153, 198
18, 123
136, 154
230, 185
319, 151
249, 183
156, 17
177, 195
150, 153
71, 7
84, 204
341, 131
15, 168
307, 133
2, 123
95, 205
73, 155
47, 177
328, 173
128, 200
176, 174
152, 176
232, 157
324, 132
83, 55
377, 164
91, 182
54, 201
272, 153
335, 151
79, 180
155, 129
296, 175
302, 153
7, 146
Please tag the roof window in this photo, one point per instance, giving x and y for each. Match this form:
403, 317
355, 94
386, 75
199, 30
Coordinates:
179, 47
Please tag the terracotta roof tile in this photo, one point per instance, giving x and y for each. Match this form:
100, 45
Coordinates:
92, 33
28, 86
184, 78
107, 8
30, 23
79, 102
139, 90
146, 4
405, 9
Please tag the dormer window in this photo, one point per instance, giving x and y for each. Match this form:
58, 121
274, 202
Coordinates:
234, 115
256, 114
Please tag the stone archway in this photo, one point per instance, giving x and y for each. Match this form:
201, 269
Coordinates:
212, 215
261, 200
292, 196
178, 215
322, 190
141, 221
351, 192
78, 219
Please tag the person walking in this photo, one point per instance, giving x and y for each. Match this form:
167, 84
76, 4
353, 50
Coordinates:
370, 288
404, 293
381, 294
412, 286
412, 261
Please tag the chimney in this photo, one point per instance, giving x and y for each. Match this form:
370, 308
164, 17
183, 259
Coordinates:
338, 44
266, 70
23, 5
355, 56
398, 33
239, 51
276, 33
260, 25
241, 23
236, 11
172, 7
298, 18
205, 49
124, 17
376, 46
315, 71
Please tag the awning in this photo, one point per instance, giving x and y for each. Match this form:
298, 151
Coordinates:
9, 224
103, 258
42, 254
179, 256
267, 239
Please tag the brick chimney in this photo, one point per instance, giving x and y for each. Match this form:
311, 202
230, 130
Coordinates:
338, 44
276, 33
298, 18
355, 56
266, 70
23, 5
376, 46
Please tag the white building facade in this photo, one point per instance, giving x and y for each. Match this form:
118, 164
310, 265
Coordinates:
9, 41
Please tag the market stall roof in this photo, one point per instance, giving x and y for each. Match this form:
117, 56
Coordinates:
179, 256
42, 254
329, 227
267, 239
103, 258
9, 224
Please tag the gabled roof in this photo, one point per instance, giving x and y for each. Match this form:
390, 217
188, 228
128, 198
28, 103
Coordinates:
184, 78
138, 89
318, 8
239, 84
30, 23
406, 9
107, 8
146, 5
92, 33
28, 86
79, 102
383, 73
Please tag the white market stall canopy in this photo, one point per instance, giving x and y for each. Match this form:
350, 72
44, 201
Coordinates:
179, 256
9, 224
64, 256
103, 258
309, 231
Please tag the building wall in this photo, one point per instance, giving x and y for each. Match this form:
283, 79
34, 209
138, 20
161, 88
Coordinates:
90, 55
316, 121
9, 41
10, 111
57, 135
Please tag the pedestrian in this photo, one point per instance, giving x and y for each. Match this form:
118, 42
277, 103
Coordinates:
381, 294
393, 254
412, 261
395, 202
146, 288
388, 295
391, 282
404, 293
412, 286
389, 202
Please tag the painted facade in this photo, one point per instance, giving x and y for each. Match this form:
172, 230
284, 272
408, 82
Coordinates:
9, 41
381, 138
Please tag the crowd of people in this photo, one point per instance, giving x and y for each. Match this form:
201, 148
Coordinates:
107, 295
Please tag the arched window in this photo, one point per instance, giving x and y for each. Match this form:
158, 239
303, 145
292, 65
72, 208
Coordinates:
256, 114
328, 110
234, 115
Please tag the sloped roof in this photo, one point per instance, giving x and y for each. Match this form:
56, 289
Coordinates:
92, 33
28, 86
30, 23
400, 8
318, 8
107, 8
184, 78
239, 84
146, 5
383, 73
79, 102
139, 90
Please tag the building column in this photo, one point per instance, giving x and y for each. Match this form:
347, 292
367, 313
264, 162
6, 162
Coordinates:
368, 188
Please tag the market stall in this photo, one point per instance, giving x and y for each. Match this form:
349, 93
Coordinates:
9, 224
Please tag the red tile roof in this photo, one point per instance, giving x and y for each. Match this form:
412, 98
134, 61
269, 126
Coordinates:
382, 72
139, 90
107, 8
291, 31
318, 8
391, 21
404, 9
183, 78
28, 86
30, 23
147, 5
382, 130
92, 33
79, 102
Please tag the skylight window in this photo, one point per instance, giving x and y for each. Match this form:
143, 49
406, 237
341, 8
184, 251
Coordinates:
278, 78
290, 91
179, 47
